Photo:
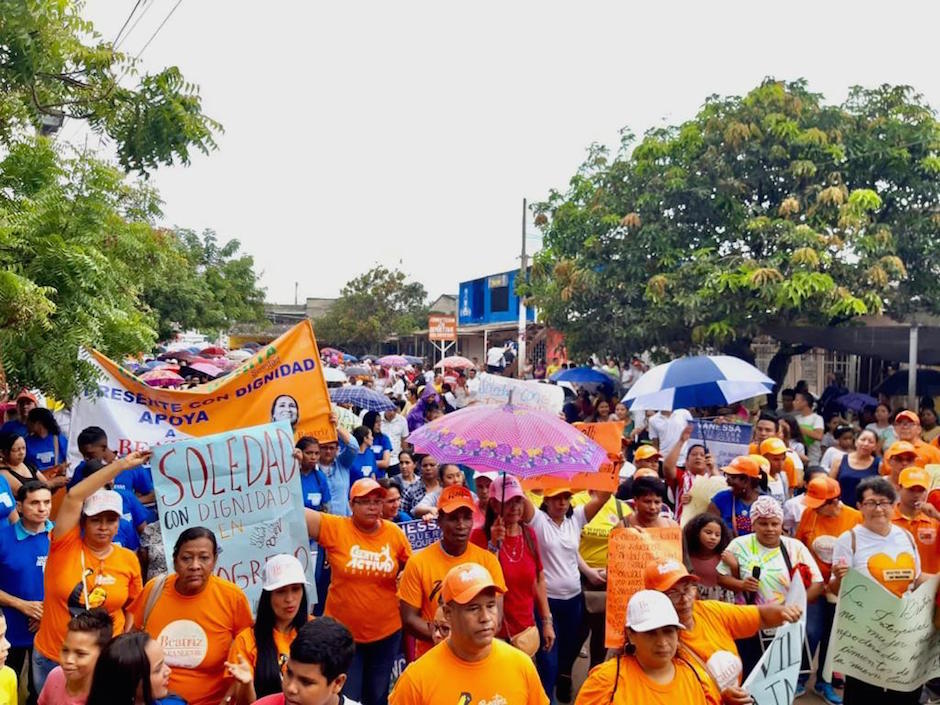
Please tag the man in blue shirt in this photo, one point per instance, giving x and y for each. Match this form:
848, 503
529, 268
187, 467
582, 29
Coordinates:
25, 403
24, 547
93, 445
337, 465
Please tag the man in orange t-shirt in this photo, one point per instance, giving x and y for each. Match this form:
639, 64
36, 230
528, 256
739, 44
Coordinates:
907, 428
470, 666
419, 592
918, 517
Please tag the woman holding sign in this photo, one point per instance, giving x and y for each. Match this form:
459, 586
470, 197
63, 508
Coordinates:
884, 552
366, 554
194, 615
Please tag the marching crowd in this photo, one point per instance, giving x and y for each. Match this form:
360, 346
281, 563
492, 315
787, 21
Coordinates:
495, 611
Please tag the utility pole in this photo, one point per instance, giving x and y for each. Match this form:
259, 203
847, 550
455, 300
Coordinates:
523, 265
296, 287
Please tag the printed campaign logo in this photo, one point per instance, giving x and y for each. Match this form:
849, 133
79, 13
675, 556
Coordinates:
184, 643
361, 559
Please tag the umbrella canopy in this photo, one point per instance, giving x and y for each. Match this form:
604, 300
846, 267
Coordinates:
856, 402
238, 355
358, 372
332, 351
334, 374
251, 345
162, 378
511, 439
363, 397
584, 376
350, 358
928, 383
214, 351
414, 359
392, 361
455, 362
703, 380
176, 355
206, 369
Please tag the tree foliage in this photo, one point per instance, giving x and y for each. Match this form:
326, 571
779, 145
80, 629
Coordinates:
766, 210
83, 266
53, 63
372, 307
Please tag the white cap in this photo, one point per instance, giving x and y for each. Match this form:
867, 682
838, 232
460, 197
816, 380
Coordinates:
103, 501
649, 610
281, 570
490, 475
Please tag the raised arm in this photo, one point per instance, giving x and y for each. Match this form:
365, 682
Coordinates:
71, 510
672, 458
598, 500
313, 523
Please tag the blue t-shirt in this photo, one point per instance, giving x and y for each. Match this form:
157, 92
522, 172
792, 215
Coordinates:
138, 480
316, 490
15, 427
340, 476
380, 444
40, 452
7, 499
22, 562
134, 511
127, 536
730, 505
402, 517
365, 465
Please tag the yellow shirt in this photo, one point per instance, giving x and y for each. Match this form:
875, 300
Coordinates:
7, 686
593, 546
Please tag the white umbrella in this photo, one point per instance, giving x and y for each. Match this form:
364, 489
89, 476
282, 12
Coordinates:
238, 355
333, 374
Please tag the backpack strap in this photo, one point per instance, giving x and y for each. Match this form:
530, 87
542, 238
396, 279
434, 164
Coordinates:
786, 557
152, 598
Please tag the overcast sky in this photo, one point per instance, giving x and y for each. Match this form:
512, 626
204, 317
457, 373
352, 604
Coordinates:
408, 133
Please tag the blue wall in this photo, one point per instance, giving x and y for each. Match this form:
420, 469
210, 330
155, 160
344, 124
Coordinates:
490, 299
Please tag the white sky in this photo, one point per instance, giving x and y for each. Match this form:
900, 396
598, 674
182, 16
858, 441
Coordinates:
407, 133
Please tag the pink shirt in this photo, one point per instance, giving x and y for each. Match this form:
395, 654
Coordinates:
54, 693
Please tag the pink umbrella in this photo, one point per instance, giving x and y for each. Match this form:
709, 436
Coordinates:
392, 361
455, 362
205, 368
162, 378
213, 350
510, 439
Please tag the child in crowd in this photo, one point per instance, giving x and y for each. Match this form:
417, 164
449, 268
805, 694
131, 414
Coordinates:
705, 537
68, 684
7, 676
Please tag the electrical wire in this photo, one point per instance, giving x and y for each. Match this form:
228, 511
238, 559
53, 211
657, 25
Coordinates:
157, 30
123, 26
147, 5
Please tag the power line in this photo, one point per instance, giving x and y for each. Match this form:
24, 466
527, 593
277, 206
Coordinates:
123, 26
147, 5
157, 30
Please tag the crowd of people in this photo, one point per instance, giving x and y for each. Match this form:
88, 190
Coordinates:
500, 608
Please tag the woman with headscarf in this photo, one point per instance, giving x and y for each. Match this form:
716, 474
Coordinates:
417, 417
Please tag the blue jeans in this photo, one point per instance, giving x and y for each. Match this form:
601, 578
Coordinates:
371, 670
566, 618
819, 617
42, 667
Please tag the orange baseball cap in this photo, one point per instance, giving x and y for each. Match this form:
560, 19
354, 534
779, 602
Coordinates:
645, 472
455, 497
900, 448
773, 446
742, 465
909, 415
555, 491
465, 581
26, 394
820, 490
914, 477
761, 461
360, 488
646, 451
662, 575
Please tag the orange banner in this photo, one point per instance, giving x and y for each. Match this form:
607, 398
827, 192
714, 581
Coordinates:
629, 551
607, 435
281, 381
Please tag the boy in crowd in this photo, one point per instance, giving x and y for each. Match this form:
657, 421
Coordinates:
88, 633
93, 445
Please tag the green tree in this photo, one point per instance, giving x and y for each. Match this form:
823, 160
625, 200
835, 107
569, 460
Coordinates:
764, 210
53, 64
372, 307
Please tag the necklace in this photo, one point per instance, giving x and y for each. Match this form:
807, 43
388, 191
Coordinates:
514, 554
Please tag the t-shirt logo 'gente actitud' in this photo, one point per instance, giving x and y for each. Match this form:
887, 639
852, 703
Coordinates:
371, 561
184, 643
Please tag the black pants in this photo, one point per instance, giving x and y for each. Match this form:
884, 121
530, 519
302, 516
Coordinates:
17, 657
859, 693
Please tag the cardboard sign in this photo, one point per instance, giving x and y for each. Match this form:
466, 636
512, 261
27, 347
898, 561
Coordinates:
773, 680
884, 640
245, 487
442, 327
421, 533
282, 380
629, 551
496, 389
725, 441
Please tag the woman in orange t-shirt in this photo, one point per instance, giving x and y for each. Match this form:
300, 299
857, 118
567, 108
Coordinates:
366, 554
194, 615
84, 568
258, 657
647, 670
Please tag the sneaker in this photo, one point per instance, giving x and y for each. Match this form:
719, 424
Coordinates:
800, 690
828, 693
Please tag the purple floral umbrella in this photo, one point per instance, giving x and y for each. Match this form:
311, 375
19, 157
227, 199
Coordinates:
511, 439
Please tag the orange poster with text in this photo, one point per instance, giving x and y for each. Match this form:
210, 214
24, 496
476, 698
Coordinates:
629, 551
607, 435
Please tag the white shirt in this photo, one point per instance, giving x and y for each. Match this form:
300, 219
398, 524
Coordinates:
396, 430
558, 546
868, 544
398, 389
792, 512
832, 455
494, 357
668, 429
473, 386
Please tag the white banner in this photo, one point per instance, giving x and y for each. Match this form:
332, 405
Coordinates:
496, 389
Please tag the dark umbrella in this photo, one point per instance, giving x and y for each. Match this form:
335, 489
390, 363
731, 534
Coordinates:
854, 401
928, 384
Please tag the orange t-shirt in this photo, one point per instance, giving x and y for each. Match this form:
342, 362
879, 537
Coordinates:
819, 533
246, 646
111, 583
717, 625
634, 686
506, 675
421, 581
364, 569
196, 633
924, 529
926, 453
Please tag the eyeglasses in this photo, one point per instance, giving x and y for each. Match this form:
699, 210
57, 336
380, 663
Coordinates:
677, 593
877, 503
370, 502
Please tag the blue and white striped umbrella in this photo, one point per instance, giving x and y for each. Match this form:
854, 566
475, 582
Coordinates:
363, 397
704, 380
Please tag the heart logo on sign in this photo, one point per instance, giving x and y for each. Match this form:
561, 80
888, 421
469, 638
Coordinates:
895, 574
